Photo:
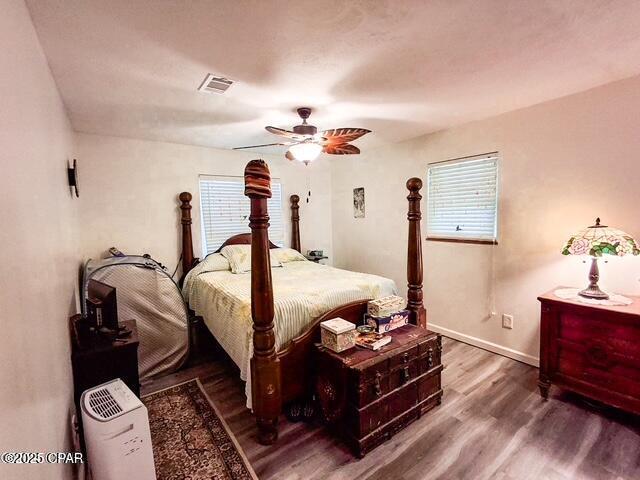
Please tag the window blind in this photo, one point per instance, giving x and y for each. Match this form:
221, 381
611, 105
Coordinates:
463, 198
225, 211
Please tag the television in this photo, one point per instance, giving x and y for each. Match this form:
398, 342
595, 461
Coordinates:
102, 307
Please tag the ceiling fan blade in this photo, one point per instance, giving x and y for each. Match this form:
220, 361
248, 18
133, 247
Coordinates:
344, 135
265, 145
341, 149
286, 133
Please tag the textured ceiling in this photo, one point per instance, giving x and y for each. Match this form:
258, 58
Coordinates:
401, 68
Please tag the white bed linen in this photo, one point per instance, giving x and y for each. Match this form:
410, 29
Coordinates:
303, 291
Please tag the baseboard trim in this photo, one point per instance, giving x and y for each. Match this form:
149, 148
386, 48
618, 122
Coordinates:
486, 345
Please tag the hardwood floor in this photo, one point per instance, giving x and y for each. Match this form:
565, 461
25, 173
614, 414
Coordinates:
492, 424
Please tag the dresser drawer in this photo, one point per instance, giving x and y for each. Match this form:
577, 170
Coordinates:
597, 365
624, 338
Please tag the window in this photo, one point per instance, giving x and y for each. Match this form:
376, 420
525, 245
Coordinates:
463, 199
225, 211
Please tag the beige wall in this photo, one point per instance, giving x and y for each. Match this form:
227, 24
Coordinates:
562, 164
130, 187
38, 252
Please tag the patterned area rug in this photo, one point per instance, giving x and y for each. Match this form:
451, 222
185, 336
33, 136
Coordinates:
190, 439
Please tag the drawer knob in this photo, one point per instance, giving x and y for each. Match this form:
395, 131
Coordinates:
405, 357
376, 384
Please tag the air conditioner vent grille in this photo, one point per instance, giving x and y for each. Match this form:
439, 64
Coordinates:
213, 84
103, 403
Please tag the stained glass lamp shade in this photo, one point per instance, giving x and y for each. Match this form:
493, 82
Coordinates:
596, 241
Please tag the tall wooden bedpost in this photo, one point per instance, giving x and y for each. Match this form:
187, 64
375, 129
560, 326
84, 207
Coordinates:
265, 365
187, 241
295, 222
414, 255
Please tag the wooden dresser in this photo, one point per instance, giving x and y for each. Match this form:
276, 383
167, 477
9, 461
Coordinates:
368, 396
592, 350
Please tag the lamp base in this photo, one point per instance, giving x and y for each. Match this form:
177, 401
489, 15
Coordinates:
593, 292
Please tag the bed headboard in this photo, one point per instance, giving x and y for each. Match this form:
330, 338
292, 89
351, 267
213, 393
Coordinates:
188, 259
241, 239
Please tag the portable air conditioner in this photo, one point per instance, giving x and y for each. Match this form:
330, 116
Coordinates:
116, 433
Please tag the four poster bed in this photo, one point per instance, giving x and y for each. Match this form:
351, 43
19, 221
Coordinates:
281, 369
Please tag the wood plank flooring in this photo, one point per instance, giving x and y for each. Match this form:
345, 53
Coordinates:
492, 424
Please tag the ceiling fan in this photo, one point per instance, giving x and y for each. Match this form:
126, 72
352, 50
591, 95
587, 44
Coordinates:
305, 143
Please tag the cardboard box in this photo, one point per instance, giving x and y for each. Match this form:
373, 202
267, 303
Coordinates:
388, 323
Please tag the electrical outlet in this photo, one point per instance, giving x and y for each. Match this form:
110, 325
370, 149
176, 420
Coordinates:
507, 321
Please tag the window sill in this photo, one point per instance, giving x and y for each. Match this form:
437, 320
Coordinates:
462, 240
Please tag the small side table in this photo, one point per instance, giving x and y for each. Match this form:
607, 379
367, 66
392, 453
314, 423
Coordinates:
97, 361
315, 259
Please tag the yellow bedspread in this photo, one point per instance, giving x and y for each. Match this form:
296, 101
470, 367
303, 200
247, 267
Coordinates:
302, 292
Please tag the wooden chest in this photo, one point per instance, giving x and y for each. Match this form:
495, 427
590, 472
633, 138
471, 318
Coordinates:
367, 396
592, 350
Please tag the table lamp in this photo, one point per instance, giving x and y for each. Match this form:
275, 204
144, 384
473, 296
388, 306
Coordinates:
596, 241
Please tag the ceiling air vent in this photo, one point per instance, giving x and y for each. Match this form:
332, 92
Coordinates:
213, 84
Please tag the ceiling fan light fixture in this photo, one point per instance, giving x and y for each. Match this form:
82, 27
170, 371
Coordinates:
306, 143
305, 152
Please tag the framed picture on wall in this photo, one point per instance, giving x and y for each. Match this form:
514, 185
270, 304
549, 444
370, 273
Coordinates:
358, 202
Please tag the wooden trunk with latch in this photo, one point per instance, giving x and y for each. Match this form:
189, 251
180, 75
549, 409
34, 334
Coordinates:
367, 396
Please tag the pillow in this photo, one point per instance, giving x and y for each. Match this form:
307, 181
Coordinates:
239, 257
214, 262
285, 255
211, 263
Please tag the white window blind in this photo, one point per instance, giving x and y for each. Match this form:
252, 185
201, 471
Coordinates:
463, 198
225, 211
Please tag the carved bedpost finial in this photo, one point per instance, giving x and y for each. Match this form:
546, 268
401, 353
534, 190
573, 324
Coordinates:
257, 179
414, 255
295, 222
185, 199
187, 242
265, 365
414, 185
